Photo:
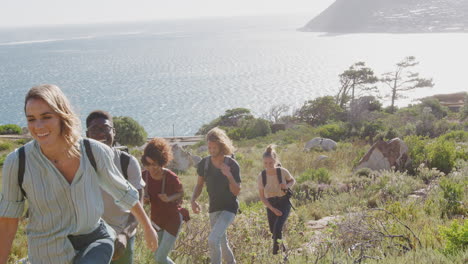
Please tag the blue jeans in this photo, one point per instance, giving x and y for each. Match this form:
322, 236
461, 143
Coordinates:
127, 257
95, 247
166, 244
217, 240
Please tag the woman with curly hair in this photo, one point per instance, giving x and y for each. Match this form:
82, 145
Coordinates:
164, 192
273, 184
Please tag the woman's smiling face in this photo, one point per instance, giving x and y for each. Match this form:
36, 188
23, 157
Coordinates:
43, 123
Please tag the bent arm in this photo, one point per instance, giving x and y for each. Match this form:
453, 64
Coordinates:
8, 228
234, 186
132, 222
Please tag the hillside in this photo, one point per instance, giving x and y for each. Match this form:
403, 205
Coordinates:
392, 16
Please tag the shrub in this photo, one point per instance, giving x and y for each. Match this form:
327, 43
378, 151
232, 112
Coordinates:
441, 155
452, 197
456, 236
129, 132
416, 151
2, 159
5, 145
427, 175
371, 129
320, 175
457, 136
256, 128
10, 129
335, 131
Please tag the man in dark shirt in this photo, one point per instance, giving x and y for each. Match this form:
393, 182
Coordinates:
222, 176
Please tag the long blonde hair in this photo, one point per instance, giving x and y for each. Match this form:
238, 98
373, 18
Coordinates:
219, 136
69, 121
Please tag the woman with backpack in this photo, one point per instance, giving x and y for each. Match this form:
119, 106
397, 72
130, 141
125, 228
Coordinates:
164, 192
60, 174
274, 184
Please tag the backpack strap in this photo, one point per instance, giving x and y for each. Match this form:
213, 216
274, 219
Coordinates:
89, 153
21, 169
124, 161
278, 174
264, 178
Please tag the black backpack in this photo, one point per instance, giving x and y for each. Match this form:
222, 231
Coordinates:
124, 161
288, 191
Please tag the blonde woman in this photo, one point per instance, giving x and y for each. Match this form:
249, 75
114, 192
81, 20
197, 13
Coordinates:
61, 180
273, 183
221, 174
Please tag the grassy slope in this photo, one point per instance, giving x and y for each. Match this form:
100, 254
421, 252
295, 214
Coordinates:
249, 234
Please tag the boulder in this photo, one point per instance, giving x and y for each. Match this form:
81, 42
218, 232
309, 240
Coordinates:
196, 160
182, 159
385, 155
202, 149
323, 143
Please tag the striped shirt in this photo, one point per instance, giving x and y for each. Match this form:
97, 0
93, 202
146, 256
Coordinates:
56, 207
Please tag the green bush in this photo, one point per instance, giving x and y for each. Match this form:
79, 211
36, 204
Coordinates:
5, 145
441, 155
371, 129
256, 128
129, 132
457, 136
10, 129
452, 197
320, 175
416, 151
335, 131
456, 237
2, 159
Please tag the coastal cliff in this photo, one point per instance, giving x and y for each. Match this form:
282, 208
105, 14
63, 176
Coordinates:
392, 16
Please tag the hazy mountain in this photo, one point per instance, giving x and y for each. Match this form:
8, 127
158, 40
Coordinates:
397, 16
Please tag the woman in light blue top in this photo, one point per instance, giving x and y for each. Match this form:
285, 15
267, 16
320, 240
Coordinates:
62, 188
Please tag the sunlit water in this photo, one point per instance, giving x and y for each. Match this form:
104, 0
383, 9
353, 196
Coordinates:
185, 73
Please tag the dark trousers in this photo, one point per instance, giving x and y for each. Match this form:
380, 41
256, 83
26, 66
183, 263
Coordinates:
96, 247
275, 222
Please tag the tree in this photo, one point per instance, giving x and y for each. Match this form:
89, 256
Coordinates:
275, 112
231, 118
355, 79
403, 80
320, 110
129, 132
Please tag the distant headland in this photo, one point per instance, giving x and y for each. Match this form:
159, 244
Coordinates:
392, 16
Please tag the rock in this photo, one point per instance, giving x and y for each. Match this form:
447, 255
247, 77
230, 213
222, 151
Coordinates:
385, 155
323, 143
195, 160
322, 157
182, 159
203, 148
322, 223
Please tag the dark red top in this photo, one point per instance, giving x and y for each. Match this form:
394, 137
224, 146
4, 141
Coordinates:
165, 215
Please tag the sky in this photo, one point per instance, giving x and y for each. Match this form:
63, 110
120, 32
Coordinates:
14, 13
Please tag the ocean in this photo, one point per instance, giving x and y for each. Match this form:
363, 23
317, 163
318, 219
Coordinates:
184, 73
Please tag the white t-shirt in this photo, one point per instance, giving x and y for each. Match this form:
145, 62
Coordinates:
114, 215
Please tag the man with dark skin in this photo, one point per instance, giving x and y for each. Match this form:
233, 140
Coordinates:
100, 127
